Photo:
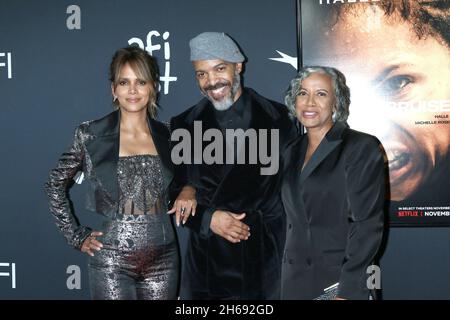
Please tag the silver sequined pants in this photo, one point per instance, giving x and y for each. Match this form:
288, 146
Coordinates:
139, 259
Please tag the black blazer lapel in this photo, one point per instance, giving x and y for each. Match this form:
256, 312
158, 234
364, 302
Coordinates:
104, 151
198, 113
332, 139
204, 113
261, 118
160, 134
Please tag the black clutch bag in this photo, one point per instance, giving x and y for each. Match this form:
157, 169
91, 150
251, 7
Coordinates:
329, 293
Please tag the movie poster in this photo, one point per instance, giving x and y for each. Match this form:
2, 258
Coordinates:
396, 58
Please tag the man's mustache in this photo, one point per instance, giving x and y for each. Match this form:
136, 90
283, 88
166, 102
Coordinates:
217, 86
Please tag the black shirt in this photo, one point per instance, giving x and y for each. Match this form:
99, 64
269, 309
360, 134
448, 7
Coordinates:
237, 116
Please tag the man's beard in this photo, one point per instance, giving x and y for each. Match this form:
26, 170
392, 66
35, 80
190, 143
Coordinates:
228, 100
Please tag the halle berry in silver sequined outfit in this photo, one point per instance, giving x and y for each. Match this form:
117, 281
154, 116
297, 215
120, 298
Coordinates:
139, 259
137, 255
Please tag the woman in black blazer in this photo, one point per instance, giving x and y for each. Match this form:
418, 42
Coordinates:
333, 192
125, 158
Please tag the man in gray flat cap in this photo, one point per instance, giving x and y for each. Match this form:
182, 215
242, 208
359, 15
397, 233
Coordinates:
236, 236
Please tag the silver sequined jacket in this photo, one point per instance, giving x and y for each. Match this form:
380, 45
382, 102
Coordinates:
93, 156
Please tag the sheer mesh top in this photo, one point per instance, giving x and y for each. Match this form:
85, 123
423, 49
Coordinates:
140, 185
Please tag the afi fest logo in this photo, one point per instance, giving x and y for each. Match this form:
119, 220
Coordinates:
152, 45
5, 62
73, 22
11, 272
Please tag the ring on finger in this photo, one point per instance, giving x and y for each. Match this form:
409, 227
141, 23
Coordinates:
183, 210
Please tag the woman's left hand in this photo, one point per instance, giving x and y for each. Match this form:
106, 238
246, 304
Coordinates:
184, 205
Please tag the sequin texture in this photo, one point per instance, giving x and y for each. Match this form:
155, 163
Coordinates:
140, 185
139, 259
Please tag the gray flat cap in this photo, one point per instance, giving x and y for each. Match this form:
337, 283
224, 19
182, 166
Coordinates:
215, 45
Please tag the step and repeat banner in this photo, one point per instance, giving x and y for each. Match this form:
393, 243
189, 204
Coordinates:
396, 57
54, 59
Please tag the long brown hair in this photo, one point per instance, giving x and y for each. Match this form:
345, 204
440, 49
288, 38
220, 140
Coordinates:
145, 67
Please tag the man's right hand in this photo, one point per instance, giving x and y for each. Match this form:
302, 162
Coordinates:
228, 225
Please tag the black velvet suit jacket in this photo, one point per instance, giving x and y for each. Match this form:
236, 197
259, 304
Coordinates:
335, 214
214, 267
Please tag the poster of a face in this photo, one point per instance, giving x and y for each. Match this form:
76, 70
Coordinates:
396, 58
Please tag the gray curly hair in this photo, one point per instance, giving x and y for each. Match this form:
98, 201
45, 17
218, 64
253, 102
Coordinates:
341, 90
